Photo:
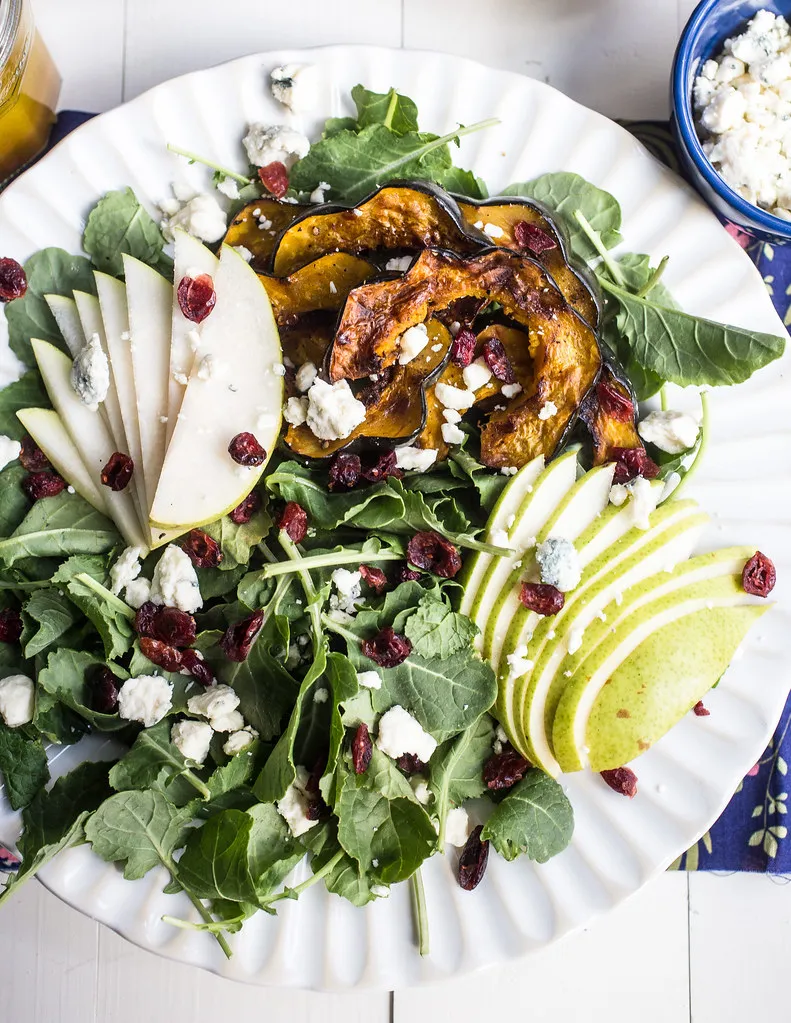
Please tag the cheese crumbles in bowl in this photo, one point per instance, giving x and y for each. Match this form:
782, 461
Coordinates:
731, 113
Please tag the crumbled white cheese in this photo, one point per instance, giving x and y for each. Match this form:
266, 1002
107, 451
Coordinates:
175, 582
17, 700
518, 662
399, 263
146, 699
276, 144
369, 679
743, 103
559, 563
125, 569
575, 639
457, 826
493, 231
348, 587
333, 411
380, 891
90, 373
500, 739
410, 457
318, 194
279, 369
400, 733
214, 703
192, 739
9, 450
454, 397
137, 592
295, 86
228, 186
476, 375
510, 390
201, 216
296, 802
412, 343
548, 410
644, 499
450, 415
244, 252
232, 721
509, 470
451, 434
305, 376
296, 411
321, 695
239, 741
500, 538
673, 432
423, 793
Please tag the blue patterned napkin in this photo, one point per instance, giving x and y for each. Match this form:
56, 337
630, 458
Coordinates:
751, 834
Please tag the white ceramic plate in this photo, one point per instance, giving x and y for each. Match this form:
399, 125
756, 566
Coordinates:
688, 777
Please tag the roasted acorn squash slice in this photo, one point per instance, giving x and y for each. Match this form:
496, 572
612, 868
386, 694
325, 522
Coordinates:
307, 341
413, 215
253, 233
321, 286
396, 404
607, 431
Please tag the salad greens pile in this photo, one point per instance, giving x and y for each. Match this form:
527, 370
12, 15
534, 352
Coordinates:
215, 827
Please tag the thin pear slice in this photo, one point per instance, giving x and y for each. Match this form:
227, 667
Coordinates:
115, 319
662, 680
639, 556
709, 580
242, 393
68, 320
191, 259
150, 298
89, 434
502, 516
45, 427
90, 315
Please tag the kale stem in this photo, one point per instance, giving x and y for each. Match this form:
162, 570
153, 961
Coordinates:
314, 608
702, 444
196, 783
294, 893
654, 279
327, 561
333, 626
204, 914
391, 107
268, 555
420, 913
38, 584
594, 238
213, 927
194, 158
110, 598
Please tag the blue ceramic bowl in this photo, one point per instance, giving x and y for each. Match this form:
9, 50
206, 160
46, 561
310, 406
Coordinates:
711, 24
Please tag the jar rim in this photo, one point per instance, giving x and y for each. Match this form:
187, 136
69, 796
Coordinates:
10, 19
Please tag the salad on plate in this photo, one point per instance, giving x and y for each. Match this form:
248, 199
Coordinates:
329, 501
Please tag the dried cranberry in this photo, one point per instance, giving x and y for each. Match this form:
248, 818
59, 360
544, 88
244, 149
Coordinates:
167, 657
144, 619
118, 471
167, 624
433, 553
542, 598
632, 462
243, 512
622, 780
344, 472
13, 280
405, 574
505, 769
613, 402
375, 578
294, 521
245, 450
462, 351
197, 667
382, 468
410, 763
387, 648
31, 456
104, 688
534, 239
203, 551
274, 177
316, 809
238, 639
473, 859
362, 749
700, 711
496, 359
197, 297
759, 575
42, 484
10, 625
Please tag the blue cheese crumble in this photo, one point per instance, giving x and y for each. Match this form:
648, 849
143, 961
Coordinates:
559, 563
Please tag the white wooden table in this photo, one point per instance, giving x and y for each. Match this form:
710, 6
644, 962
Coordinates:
712, 948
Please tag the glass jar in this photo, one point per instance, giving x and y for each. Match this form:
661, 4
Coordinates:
29, 87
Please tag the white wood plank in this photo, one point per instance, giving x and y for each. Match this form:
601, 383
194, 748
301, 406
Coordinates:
740, 934
164, 39
134, 985
48, 964
614, 57
631, 965
85, 38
